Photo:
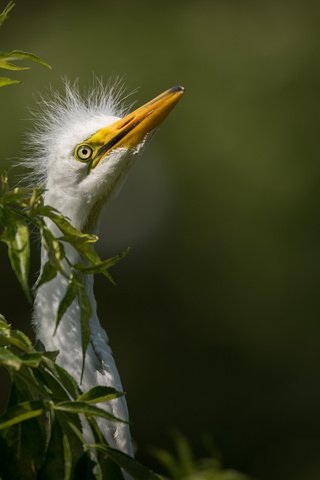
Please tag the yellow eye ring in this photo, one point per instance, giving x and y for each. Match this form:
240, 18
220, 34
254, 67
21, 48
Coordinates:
84, 152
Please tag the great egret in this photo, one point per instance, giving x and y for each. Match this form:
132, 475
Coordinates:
83, 149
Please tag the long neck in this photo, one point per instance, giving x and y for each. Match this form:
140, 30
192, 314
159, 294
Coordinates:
67, 338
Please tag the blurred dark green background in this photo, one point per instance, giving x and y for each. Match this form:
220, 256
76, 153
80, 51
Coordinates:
215, 320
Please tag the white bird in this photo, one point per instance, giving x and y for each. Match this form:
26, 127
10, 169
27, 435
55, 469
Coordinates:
83, 149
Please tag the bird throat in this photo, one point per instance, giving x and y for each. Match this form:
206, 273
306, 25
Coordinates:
91, 223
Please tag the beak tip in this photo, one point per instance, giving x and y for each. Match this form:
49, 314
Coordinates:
177, 89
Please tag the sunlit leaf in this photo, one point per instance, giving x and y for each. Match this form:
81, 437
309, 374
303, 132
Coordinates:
9, 360
4, 14
21, 337
16, 236
70, 233
7, 81
6, 59
13, 337
6, 65
99, 394
3, 323
21, 412
86, 409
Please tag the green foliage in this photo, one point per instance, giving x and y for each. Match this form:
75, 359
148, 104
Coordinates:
8, 59
45, 406
24, 208
183, 465
46, 401
41, 431
5, 13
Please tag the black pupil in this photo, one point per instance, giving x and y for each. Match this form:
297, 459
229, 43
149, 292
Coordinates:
84, 151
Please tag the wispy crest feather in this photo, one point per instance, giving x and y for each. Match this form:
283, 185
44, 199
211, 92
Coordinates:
58, 113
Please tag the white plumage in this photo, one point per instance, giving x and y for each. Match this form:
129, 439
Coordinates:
78, 188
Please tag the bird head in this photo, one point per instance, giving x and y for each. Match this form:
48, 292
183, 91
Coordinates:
84, 148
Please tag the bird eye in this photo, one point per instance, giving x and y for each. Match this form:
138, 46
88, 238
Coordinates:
84, 152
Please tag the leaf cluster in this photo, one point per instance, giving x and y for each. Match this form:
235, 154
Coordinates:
183, 466
23, 210
41, 432
8, 59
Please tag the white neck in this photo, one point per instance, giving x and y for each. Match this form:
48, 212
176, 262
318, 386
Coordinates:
100, 368
50, 294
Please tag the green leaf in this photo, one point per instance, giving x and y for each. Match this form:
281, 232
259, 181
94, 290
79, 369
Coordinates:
134, 468
71, 427
82, 243
7, 81
26, 445
68, 381
97, 434
66, 385
85, 315
16, 236
101, 266
54, 248
15, 338
67, 457
93, 257
129, 464
184, 454
22, 338
9, 359
31, 384
16, 55
21, 412
4, 14
78, 433
86, 409
49, 272
3, 323
49, 376
97, 472
99, 394
168, 461
85, 469
54, 466
67, 300
32, 360
70, 233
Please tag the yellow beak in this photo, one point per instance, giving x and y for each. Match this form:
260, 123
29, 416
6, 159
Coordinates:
129, 131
